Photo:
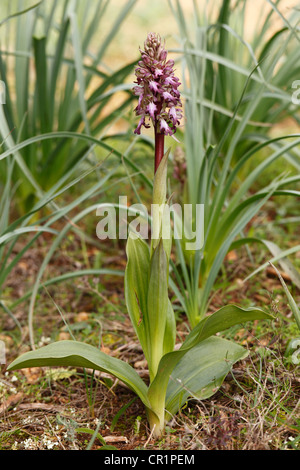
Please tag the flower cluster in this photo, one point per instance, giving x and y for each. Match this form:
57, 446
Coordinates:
157, 89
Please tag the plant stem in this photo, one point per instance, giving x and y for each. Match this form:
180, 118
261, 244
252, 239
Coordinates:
157, 424
159, 148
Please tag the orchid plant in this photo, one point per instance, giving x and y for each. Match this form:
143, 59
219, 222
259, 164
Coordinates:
197, 367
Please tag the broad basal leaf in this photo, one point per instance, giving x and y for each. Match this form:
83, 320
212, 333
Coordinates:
201, 371
77, 354
224, 318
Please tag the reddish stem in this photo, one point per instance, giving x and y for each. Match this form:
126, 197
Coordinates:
159, 149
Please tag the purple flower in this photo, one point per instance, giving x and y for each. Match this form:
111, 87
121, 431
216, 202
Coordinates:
154, 86
158, 73
172, 81
157, 89
165, 128
152, 108
141, 123
173, 115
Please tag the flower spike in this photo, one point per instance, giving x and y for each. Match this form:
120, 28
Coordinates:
157, 89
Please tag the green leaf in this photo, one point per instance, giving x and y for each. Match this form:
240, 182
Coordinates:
136, 287
293, 351
67, 135
201, 371
276, 251
56, 66
224, 318
18, 13
79, 67
120, 413
70, 275
280, 256
157, 306
5, 238
108, 447
292, 303
170, 330
91, 432
77, 354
